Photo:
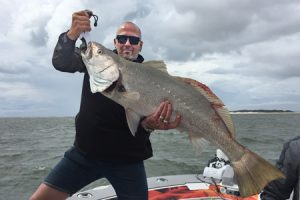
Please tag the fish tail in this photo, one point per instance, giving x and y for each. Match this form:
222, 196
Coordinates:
253, 173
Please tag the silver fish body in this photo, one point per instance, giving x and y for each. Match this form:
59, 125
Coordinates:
140, 88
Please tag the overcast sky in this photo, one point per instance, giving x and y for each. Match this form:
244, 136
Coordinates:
246, 51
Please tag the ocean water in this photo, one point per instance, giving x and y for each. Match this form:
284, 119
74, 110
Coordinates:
30, 147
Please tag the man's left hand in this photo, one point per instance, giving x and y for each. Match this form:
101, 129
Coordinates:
160, 119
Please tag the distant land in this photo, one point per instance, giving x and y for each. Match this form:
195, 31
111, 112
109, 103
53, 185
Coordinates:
261, 111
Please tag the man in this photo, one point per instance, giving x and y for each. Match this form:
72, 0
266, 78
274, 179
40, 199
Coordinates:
104, 145
289, 164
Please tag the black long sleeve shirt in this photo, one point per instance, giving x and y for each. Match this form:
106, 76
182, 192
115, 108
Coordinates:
289, 164
102, 132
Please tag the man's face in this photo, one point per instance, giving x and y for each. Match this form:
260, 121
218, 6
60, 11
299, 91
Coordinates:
128, 47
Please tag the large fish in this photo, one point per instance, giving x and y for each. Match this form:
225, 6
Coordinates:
141, 87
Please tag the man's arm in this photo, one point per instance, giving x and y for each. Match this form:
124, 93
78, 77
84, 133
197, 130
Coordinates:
288, 163
66, 57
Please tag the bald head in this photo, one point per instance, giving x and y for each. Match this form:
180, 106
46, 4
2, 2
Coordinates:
129, 27
128, 48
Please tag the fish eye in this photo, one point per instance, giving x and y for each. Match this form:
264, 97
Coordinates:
99, 51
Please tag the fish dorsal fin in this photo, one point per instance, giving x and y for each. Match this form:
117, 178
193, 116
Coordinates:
158, 64
216, 103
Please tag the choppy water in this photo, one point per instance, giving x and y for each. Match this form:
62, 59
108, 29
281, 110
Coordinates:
30, 147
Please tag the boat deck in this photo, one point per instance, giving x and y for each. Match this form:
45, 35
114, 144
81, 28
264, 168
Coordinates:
188, 186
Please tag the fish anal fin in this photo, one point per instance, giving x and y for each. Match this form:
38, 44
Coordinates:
216, 103
198, 143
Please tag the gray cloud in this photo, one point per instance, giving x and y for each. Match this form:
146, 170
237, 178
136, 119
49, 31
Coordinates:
272, 59
39, 37
213, 26
142, 10
13, 70
246, 51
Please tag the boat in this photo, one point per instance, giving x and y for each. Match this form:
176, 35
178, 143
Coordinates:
174, 187
215, 183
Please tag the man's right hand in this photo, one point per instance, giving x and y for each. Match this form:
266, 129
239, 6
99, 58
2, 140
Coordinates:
80, 24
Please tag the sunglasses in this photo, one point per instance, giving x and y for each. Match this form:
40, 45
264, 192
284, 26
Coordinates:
122, 39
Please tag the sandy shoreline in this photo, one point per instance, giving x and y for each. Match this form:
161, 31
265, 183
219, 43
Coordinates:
281, 113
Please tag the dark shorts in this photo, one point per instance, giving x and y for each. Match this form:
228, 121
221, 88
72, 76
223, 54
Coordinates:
75, 171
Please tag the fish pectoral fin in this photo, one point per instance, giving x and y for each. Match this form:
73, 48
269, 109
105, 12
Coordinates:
158, 64
133, 120
133, 96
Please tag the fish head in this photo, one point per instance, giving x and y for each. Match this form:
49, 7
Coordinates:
102, 66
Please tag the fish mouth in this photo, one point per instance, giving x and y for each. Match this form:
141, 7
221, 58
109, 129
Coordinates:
86, 51
83, 47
